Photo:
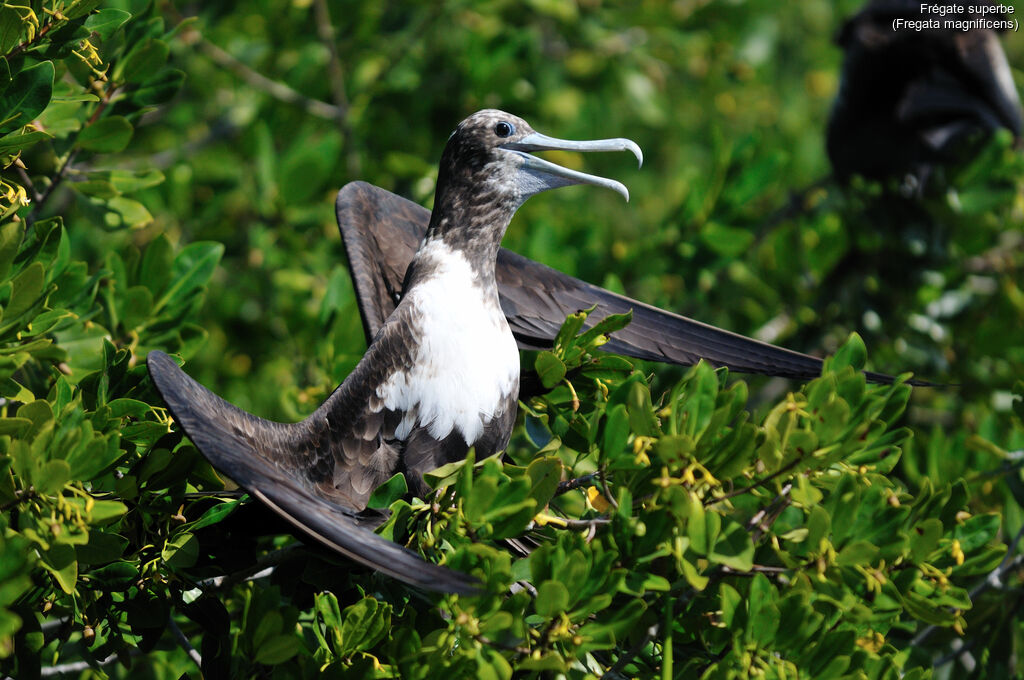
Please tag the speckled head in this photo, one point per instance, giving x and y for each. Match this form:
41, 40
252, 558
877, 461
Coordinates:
487, 172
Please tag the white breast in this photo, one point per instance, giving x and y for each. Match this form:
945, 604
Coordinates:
467, 362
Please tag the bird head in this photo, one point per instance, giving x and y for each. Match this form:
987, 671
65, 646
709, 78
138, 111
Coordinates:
490, 153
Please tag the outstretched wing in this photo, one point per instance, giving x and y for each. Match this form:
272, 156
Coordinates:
277, 463
382, 231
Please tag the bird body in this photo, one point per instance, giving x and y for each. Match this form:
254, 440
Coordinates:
440, 375
466, 368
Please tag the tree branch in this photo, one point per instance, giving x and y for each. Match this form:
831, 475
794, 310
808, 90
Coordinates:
273, 88
336, 79
184, 643
750, 487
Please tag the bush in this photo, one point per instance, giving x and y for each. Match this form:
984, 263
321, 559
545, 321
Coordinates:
684, 523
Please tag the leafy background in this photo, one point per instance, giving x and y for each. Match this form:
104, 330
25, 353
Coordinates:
168, 182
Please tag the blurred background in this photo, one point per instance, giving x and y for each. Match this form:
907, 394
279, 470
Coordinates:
735, 218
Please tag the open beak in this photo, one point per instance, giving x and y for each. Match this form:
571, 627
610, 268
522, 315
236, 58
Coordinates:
547, 175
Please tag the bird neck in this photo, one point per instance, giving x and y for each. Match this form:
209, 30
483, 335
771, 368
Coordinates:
471, 224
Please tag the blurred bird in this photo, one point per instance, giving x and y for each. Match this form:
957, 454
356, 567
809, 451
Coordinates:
440, 375
910, 100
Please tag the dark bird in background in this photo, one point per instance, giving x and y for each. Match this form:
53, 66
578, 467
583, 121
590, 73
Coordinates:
912, 100
441, 373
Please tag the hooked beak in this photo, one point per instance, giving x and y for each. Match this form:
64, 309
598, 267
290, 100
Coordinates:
542, 174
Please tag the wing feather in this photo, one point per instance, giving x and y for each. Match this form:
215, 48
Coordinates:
290, 467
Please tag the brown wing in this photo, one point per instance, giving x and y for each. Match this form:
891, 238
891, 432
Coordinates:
382, 231
300, 470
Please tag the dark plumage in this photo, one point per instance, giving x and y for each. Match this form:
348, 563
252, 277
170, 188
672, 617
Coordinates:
440, 375
910, 100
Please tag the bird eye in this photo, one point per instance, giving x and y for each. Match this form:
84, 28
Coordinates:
504, 129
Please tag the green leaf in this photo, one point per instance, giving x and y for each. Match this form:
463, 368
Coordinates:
127, 213
734, 548
544, 474
128, 181
192, 269
10, 238
79, 8
27, 96
159, 88
103, 548
106, 21
365, 624
278, 649
388, 492
143, 62
181, 551
12, 27
550, 369
552, 598
701, 527
20, 141
51, 477
860, 553
60, 561
215, 514
155, 267
107, 135
924, 539
616, 431
853, 353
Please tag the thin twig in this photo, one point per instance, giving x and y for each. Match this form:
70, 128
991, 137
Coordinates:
762, 521
184, 643
751, 487
19, 496
604, 489
43, 30
54, 183
273, 88
336, 79
76, 667
263, 567
28, 184
754, 569
566, 523
614, 672
573, 484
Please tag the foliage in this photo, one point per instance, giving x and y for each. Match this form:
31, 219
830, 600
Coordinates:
684, 523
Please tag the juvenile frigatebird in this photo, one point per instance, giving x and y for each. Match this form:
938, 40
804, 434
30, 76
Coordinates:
440, 375
913, 99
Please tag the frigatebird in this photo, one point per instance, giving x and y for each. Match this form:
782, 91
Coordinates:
913, 99
440, 375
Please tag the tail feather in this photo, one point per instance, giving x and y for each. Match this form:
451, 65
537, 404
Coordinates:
249, 450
